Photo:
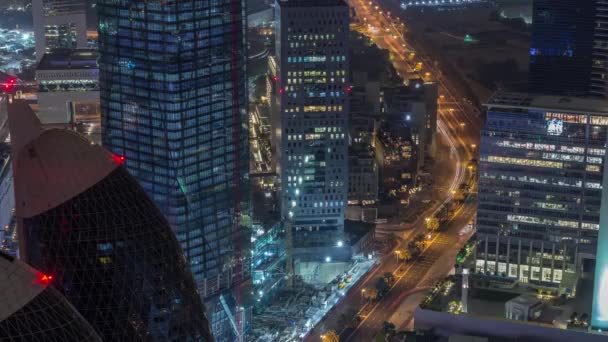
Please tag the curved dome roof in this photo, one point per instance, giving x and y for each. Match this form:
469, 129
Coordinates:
31, 310
56, 166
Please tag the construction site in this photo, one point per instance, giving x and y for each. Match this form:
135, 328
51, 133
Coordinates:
290, 312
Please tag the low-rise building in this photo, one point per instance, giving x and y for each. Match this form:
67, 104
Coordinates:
362, 175
68, 93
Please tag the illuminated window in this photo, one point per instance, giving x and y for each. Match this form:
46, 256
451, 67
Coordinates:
593, 168
592, 226
525, 162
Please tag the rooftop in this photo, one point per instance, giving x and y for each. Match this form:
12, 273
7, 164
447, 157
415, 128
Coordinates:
69, 59
547, 102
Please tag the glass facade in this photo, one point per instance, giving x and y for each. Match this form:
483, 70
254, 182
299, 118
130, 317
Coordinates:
599, 68
312, 49
47, 317
58, 24
561, 46
174, 104
31, 310
540, 187
115, 258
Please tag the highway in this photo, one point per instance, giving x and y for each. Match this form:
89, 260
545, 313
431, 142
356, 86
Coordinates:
458, 125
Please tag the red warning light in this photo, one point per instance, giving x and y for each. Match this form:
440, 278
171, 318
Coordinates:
8, 85
118, 159
276, 79
44, 279
348, 89
282, 91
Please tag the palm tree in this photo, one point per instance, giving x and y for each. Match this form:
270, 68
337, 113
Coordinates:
432, 224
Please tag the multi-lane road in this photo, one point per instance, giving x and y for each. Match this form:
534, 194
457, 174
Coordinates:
459, 126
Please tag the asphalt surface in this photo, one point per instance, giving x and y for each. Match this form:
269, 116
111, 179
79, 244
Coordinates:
459, 125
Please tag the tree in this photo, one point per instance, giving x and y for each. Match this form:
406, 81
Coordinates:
388, 327
393, 240
432, 224
406, 254
390, 277
382, 286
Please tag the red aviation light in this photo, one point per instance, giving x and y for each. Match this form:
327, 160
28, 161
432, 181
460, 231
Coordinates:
275, 78
119, 160
43, 279
348, 89
282, 91
9, 84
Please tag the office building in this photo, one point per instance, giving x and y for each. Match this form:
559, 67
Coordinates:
86, 222
68, 91
363, 175
174, 104
568, 48
416, 105
599, 67
312, 123
33, 310
540, 185
59, 24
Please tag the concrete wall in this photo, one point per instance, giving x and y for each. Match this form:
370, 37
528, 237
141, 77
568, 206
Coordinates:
54, 107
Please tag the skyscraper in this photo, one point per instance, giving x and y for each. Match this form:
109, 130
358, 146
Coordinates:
599, 68
32, 310
540, 185
568, 48
59, 24
174, 104
311, 122
86, 222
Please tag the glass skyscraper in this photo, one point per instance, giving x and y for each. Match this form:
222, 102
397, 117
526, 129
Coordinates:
59, 24
568, 48
311, 124
87, 224
540, 188
174, 105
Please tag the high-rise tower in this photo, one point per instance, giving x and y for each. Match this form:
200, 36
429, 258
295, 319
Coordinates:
59, 24
174, 104
568, 48
85, 221
540, 188
311, 123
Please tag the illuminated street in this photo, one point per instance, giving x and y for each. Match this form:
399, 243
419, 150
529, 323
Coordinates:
458, 127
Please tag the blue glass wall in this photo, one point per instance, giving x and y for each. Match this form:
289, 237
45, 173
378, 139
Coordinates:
561, 46
173, 97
